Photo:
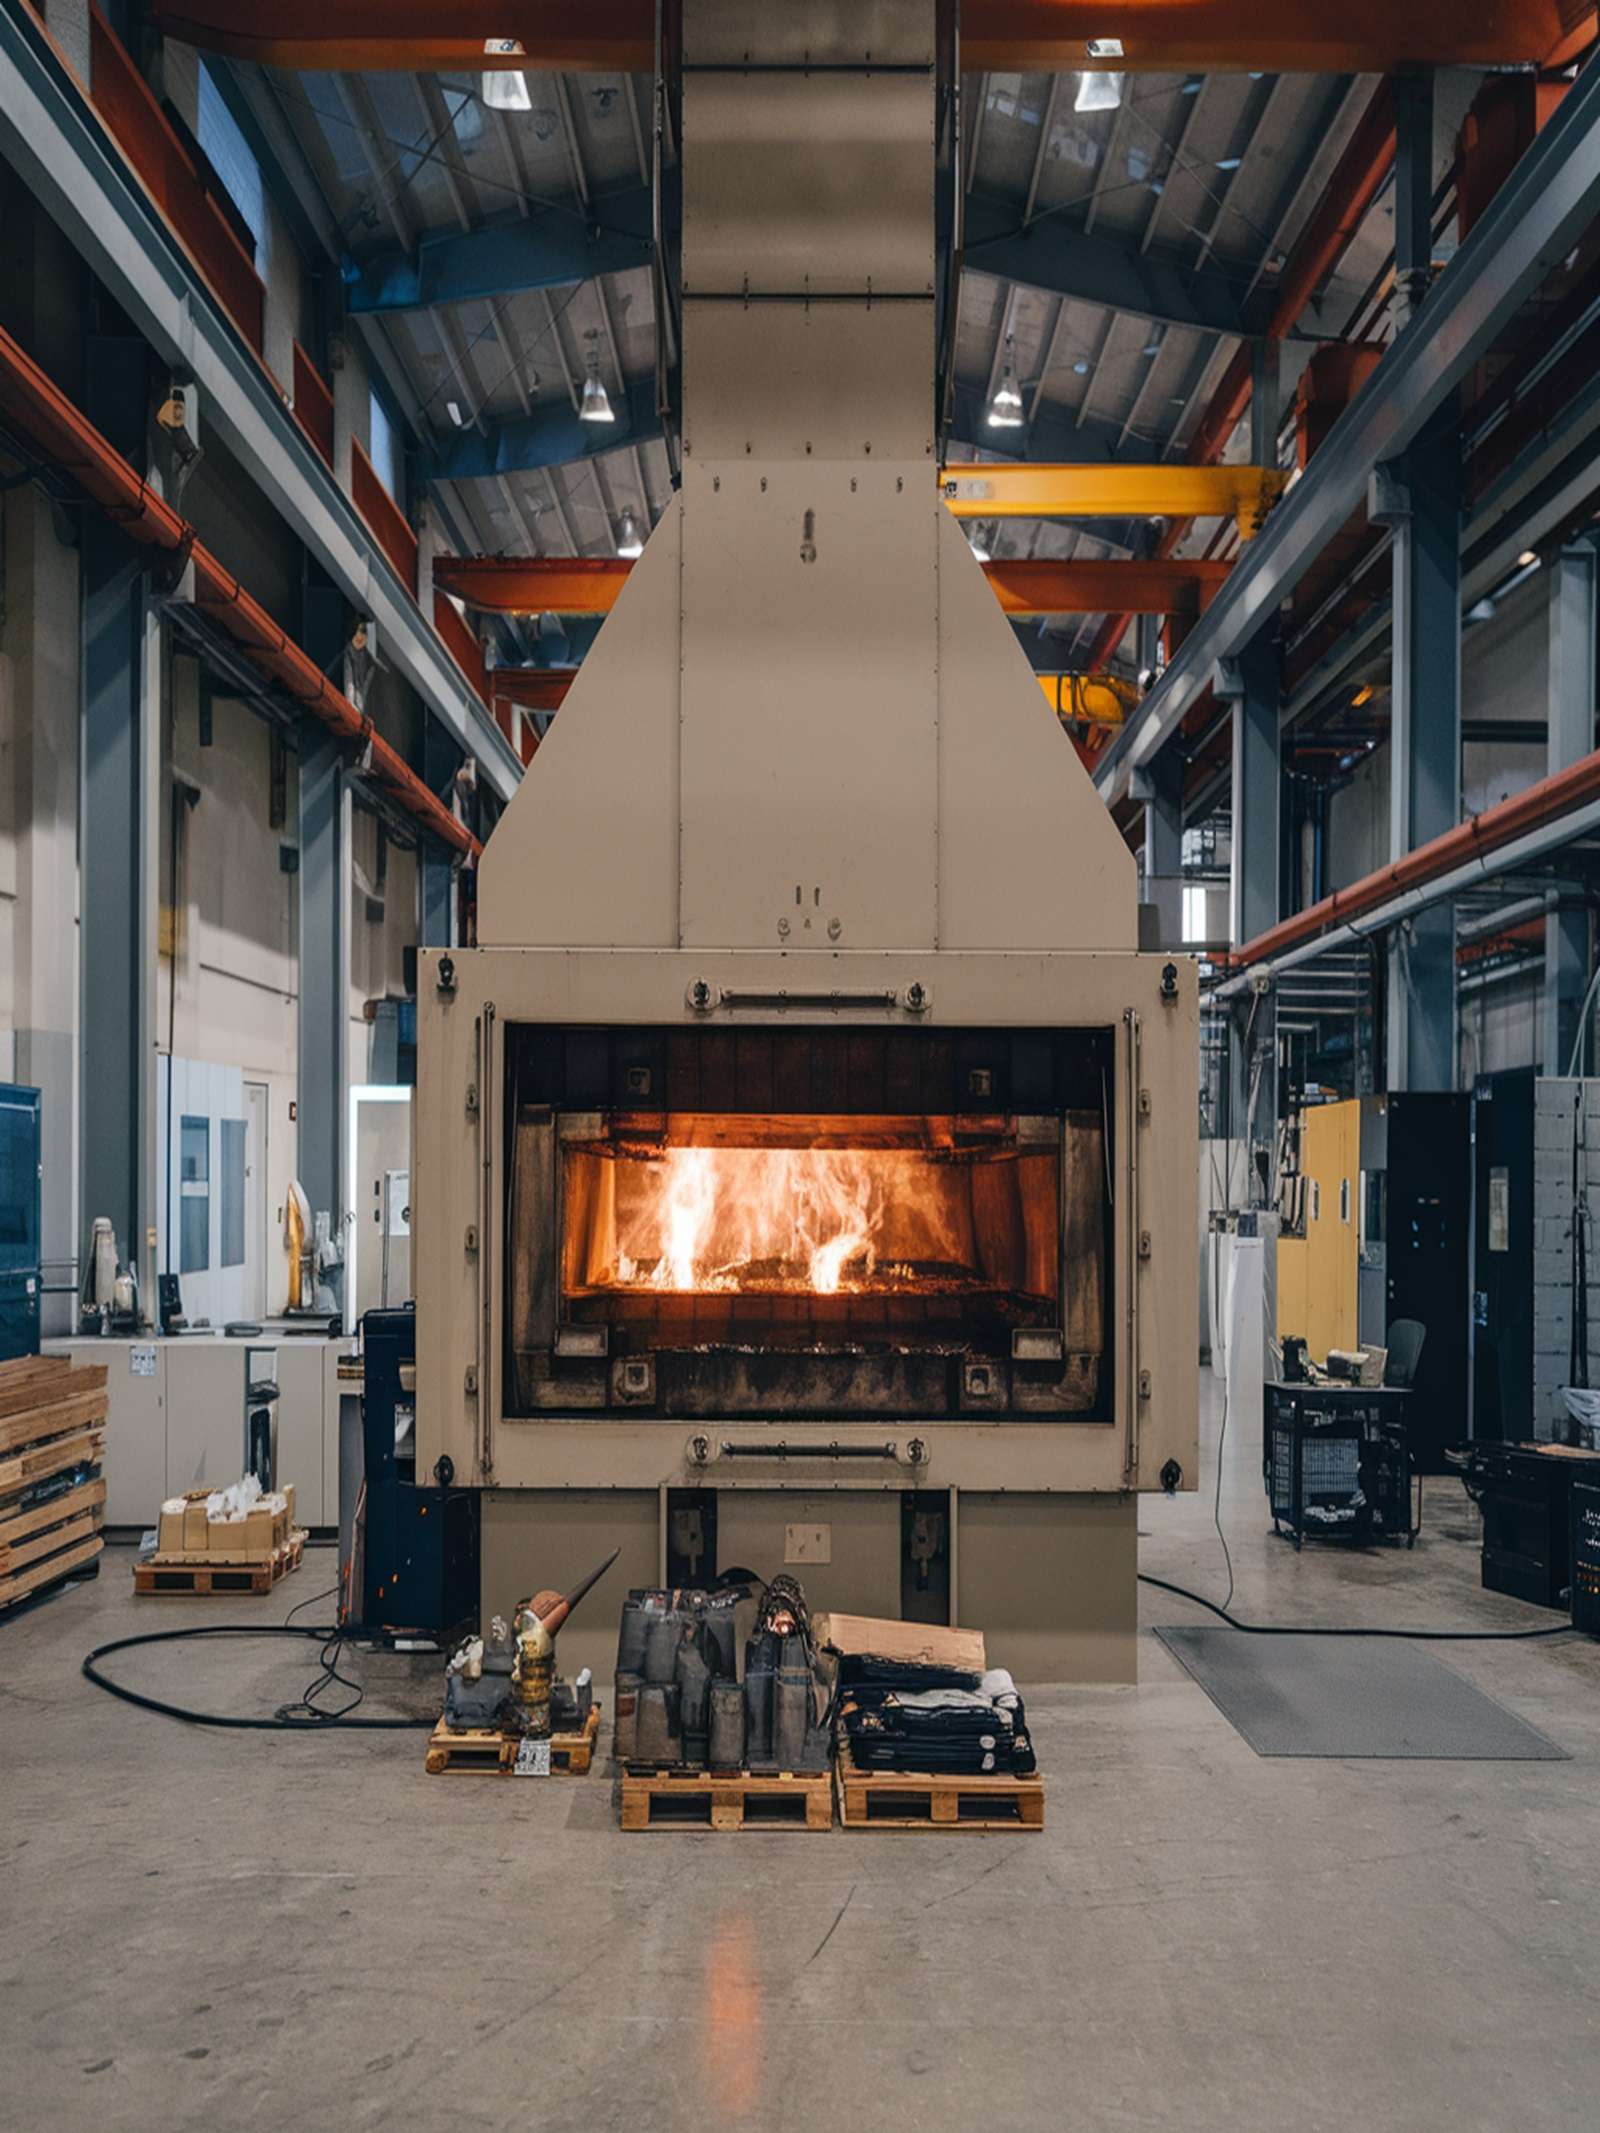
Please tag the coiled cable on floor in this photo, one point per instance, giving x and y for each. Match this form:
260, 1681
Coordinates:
305, 1715
1316, 1629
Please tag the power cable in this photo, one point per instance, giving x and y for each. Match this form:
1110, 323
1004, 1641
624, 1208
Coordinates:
1319, 1629
304, 1715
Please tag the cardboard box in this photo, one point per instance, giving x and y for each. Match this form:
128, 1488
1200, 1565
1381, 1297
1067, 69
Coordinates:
169, 1535
251, 1539
195, 1522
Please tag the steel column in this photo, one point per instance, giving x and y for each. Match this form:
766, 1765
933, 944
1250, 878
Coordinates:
119, 873
1254, 683
1161, 790
1419, 496
325, 899
1571, 573
436, 875
1266, 370
1412, 93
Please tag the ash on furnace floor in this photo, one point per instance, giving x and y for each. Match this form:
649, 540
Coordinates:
208, 1929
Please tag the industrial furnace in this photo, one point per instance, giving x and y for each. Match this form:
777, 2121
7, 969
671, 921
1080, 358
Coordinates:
805, 1156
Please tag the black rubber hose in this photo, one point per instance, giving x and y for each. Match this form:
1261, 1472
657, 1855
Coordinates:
308, 1720
1312, 1629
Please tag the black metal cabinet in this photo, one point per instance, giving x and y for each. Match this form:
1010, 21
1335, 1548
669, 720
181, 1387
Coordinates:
19, 1221
1416, 1253
1502, 1257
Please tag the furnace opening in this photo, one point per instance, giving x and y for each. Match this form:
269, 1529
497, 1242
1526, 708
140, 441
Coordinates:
909, 1218
816, 1222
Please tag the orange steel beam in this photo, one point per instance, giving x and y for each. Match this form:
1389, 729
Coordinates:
533, 585
70, 441
618, 36
1166, 587
557, 585
534, 689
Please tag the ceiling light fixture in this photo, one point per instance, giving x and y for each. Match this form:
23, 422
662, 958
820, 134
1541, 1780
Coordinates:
1005, 409
1527, 559
505, 88
1097, 91
628, 541
595, 406
453, 409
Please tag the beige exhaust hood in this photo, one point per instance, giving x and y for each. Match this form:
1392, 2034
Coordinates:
806, 725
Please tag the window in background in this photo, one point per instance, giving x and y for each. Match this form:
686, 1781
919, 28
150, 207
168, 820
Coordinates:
385, 454
233, 1148
194, 1188
1194, 911
231, 158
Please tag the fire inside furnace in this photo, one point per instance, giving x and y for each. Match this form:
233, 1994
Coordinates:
949, 1215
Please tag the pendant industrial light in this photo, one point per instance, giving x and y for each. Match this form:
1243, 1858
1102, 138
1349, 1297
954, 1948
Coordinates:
629, 542
1098, 92
505, 89
1005, 409
595, 406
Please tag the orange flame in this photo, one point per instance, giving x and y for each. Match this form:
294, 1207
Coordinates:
713, 1218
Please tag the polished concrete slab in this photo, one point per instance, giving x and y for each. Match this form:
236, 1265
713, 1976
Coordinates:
208, 1928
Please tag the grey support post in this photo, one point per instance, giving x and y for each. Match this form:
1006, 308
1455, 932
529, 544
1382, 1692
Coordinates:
120, 753
1160, 787
436, 874
1419, 497
1571, 576
1253, 684
325, 899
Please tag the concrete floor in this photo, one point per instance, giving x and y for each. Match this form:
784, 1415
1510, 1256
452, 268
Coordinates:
214, 1929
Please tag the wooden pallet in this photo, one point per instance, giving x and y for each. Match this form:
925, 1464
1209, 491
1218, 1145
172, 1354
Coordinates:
911, 1799
492, 1754
203, 1575
673, 1799
71, 1515
80, 1560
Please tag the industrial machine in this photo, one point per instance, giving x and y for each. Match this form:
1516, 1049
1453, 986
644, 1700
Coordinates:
1384, 1209
805, 1155
1502, 1255
408, 1544
1536, 1258
19, 1221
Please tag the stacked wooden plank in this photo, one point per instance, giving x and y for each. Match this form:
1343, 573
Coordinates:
52, 1496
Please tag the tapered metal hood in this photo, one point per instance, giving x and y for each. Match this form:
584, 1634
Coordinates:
806, 724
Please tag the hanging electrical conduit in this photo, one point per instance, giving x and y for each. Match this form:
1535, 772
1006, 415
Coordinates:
67, 440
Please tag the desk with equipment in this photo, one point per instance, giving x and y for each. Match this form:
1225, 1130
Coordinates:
1336, 1450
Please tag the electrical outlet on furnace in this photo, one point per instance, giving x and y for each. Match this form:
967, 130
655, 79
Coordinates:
808, 1544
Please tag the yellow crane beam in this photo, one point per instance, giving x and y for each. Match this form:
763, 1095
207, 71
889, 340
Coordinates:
1094, 699
1018, 489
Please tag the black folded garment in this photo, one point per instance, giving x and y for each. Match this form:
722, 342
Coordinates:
959, 1731
862, 1671
934, 1713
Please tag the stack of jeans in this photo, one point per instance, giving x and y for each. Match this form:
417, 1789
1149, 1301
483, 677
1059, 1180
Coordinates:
968, 1725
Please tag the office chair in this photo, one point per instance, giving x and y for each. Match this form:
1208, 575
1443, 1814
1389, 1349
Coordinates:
1406, 1337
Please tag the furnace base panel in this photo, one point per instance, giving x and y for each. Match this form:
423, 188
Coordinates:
1051, 1577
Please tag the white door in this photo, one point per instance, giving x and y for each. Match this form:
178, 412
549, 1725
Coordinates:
257, 1109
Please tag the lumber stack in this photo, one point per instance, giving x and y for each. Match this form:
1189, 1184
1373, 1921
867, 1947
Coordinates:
52, 1494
